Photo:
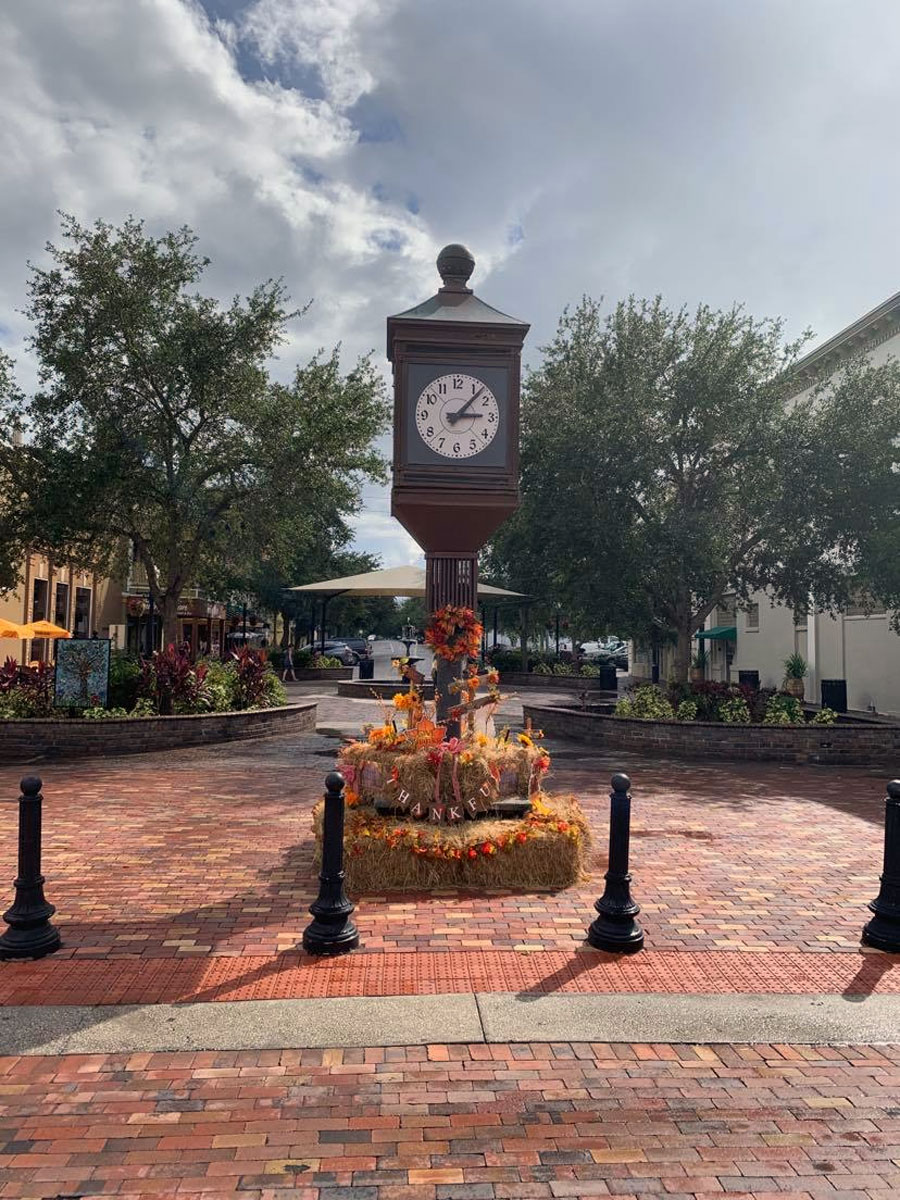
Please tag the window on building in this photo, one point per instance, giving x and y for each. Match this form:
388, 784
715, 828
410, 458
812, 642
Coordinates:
726, 613
82, 612
61, 606
753, 616
864, 606
39, 594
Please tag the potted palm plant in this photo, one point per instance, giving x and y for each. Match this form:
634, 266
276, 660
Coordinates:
795, 668
698, 666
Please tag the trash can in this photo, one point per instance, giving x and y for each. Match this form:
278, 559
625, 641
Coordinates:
607, 678
749, 679
367, 668
834, 694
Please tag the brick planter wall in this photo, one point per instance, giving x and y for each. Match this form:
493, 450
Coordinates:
551, 683
78, 738
321, 673
863, 744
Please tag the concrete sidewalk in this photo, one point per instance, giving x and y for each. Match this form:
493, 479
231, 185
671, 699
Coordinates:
460, 1018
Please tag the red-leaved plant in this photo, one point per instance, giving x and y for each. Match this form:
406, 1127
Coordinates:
170, 680
251, 668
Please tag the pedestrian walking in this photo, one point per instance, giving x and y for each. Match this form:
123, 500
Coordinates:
288, 672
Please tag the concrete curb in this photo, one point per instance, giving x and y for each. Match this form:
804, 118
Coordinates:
461, 1017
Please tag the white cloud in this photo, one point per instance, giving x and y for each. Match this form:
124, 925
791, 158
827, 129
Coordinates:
705, 150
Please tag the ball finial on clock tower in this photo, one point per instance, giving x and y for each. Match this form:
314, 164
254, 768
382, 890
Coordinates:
455, 264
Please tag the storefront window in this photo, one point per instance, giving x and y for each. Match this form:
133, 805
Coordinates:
61, 606
82, 612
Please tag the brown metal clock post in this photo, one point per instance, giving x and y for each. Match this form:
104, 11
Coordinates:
456, 367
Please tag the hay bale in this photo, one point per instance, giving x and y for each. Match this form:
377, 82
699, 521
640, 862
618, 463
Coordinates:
543, 851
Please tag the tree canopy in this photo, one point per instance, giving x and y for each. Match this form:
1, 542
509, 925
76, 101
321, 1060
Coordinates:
668, 461
156, 425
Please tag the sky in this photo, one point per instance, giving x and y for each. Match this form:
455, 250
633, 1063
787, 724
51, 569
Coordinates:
705, 150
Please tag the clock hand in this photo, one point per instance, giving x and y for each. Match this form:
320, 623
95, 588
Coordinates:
454, 417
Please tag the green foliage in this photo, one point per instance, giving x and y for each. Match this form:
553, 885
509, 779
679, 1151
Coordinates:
589, 671
647, 703
543, 668
825, 716
150, 389
144, 707
699, 659
124, 679
273, 693
324, 662
795, 666
686, 711
734, 711
99, 713
695, 471
563, 667
783, 710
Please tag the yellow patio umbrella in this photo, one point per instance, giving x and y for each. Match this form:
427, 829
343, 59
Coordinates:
9, 629
43, 629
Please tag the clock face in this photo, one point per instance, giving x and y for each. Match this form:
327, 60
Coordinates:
457, 416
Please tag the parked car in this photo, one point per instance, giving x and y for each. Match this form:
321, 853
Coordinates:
342, 651
609, 650
360, 647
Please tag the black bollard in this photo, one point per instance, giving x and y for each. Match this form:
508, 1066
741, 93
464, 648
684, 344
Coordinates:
30, 934
883, 931
332, 931
615, 928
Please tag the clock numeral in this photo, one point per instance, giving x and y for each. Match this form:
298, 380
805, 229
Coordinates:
473, 445
485, 402
441, 442
442, 388
429, 432
431, 398
484, 434
475, 387
457, 382
423, 415
456, 447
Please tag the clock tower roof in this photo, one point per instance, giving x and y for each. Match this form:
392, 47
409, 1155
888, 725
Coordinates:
455, 302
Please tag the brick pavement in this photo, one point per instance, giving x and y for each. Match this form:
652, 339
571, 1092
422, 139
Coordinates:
210, 852
523, 1122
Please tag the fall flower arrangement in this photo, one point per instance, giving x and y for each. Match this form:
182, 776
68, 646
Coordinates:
454, 633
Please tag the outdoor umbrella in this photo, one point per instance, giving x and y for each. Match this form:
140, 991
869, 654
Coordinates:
43, 629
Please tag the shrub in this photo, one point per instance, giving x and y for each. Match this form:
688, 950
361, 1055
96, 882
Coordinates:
825, 716
590, 671
647, 703
251, 668
734, 711
686, 711
709, 695
143, 708
274, 694
563, 668
173, 682
795, 666
98, 713
543, 668
124, 679
26, 691
220, 687
324, 662
782, 709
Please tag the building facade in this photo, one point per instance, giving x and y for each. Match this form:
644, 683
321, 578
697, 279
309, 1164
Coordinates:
856, 648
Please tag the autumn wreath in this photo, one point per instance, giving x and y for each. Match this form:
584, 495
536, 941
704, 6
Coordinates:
454, 633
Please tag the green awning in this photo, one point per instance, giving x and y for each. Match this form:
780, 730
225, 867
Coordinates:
719, 633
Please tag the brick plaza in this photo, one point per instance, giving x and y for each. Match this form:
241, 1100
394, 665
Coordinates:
186, 877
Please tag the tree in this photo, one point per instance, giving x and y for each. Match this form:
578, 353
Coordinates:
667, 463
157, 429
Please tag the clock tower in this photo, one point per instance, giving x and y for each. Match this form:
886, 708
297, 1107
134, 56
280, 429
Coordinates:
456, 367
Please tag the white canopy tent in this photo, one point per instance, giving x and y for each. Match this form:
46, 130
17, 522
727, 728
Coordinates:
393, 581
